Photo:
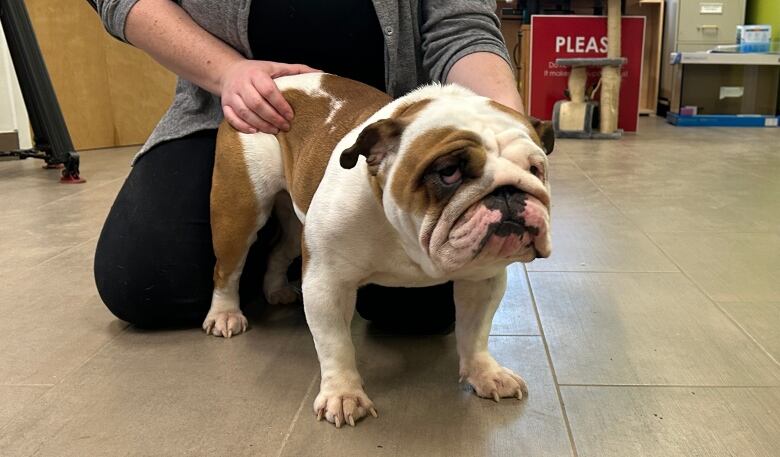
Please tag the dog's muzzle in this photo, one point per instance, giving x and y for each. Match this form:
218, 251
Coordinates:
507, 223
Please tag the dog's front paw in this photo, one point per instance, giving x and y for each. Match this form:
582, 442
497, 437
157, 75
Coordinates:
494, 381
343, 406
225, 323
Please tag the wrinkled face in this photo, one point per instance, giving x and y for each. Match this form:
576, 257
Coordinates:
463, 180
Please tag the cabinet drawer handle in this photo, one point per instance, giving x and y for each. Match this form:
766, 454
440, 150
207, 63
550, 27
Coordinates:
704, 28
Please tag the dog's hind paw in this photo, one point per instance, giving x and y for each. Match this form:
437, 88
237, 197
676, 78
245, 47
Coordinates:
283, 296
225, 324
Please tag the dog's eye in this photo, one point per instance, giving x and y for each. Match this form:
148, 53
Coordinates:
450, 174
534, 170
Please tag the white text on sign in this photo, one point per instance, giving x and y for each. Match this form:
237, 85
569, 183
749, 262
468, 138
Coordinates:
580, 44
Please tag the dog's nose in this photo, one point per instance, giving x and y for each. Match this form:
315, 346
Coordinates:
505, 192
510, 197
511, 202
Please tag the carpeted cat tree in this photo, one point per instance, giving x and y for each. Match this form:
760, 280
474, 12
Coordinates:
573, 118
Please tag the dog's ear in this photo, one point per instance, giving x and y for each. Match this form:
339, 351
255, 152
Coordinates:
375, 143
546, 133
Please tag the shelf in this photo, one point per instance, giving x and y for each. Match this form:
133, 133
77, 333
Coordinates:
722, 58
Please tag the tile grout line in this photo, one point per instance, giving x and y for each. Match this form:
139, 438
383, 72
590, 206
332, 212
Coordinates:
60, 253
721, 309
606, 271
65, 376
62, 379
673, 386
297, 415
93, 355
744, 330
681, 270
708, 232
58, 200
9, 420
63, 252
714, 302
26, 385
620, 211
51, 387
82, 191
566, 423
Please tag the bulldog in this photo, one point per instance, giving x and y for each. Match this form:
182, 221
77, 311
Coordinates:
439, 185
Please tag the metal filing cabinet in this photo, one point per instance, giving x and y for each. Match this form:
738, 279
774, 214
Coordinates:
696, 25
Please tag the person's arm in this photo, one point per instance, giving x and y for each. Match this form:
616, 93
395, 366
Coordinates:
489, 75
462, 43
251, 101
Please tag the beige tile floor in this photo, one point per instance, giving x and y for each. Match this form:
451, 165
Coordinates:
654, 330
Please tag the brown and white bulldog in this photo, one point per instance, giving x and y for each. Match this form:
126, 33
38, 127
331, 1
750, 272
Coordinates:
453, 187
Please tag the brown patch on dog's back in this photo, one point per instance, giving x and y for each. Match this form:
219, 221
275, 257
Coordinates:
407, 188
233, 204
305, 155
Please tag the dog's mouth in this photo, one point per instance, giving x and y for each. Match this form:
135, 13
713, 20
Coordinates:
507, 224
506, 238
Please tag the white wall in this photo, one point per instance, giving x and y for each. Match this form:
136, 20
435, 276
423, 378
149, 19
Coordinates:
13, 115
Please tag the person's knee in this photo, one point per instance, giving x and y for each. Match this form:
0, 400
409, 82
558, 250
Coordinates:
136, 296
116, 294
116, 285
140, 285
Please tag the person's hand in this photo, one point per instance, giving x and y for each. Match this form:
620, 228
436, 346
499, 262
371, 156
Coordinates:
251, 101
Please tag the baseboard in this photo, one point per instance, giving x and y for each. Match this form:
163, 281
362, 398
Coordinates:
9, 141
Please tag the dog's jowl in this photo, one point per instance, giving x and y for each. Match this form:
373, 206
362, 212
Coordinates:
439, 185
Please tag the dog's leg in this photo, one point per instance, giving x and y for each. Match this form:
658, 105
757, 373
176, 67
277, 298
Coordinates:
329, 303
277, 289
243, 188
475, 304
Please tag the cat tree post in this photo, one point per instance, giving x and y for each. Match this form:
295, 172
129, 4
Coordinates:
610, 75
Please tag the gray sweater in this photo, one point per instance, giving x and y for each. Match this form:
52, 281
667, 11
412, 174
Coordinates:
423, 40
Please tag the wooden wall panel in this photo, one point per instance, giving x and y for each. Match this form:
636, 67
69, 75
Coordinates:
653, 10
110, 93
71, 44
141, 91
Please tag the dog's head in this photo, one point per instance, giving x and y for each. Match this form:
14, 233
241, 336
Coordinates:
462, 178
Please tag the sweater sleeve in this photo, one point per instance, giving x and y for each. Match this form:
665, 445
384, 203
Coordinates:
113, 14
452, 29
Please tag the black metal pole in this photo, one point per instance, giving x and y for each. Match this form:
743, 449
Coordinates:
52, 140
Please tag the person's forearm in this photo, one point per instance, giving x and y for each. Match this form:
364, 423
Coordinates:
489, 75
167, 33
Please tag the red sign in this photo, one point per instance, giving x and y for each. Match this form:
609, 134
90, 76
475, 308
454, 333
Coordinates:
554, 37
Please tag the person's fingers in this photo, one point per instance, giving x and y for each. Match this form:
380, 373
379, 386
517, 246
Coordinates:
249, 117
265, 127
283, 69
260, 106
268, 90
246, 114
236, 121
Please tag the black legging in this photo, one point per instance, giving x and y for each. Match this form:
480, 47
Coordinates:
154, 260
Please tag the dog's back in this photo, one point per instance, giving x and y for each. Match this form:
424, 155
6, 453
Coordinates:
321, 103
